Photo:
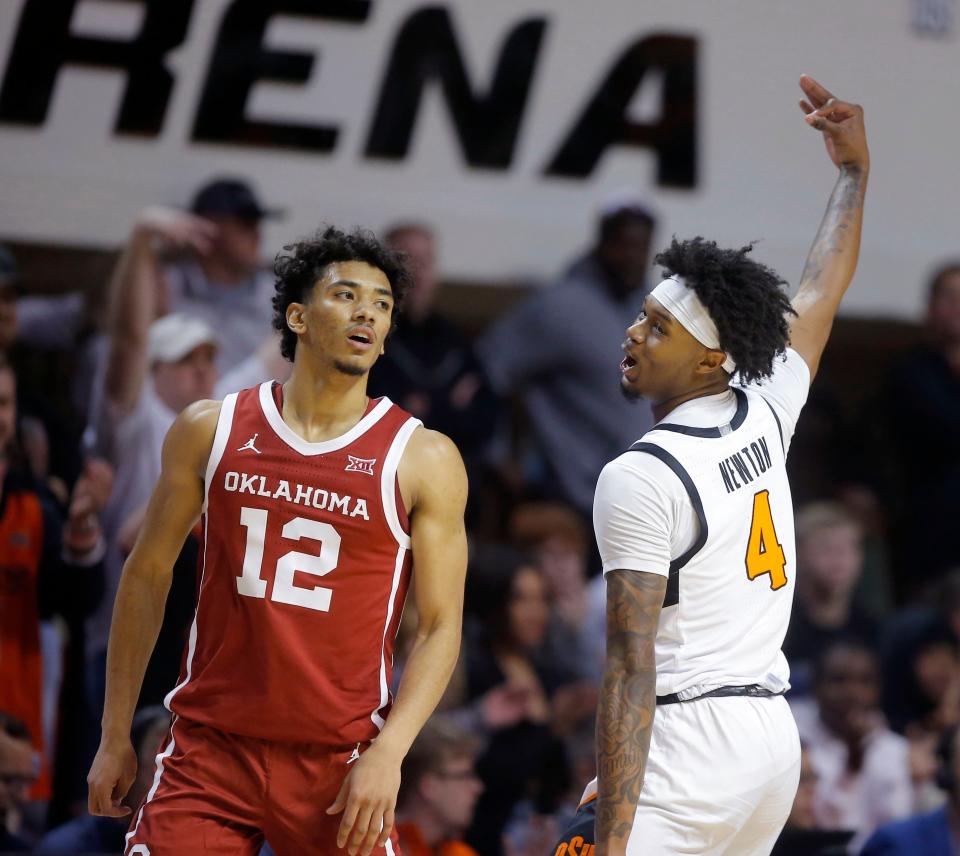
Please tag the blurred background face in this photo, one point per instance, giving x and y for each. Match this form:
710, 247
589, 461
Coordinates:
237, 245
18, 771
528, 610
562, 564
625, 252
943, 312
191, 379
452, 792
832, 557
847, 687
8, 408
935, 668
420, 249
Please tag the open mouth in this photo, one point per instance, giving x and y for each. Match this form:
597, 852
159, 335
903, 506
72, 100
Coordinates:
627, 363
361, 337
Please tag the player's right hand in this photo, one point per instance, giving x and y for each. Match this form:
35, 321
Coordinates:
840, 122
111, 775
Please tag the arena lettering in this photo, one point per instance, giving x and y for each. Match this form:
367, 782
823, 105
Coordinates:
307, 495
427, 53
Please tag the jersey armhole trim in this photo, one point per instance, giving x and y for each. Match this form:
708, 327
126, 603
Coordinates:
783, 444
388, 480
220, 439
671, 596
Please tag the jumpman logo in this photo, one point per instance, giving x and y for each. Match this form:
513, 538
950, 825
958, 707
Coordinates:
355, 756
250, 445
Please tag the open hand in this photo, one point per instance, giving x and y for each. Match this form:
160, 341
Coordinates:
367, 799
840, 122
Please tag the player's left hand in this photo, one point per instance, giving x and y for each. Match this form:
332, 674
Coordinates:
367, 799
841, 123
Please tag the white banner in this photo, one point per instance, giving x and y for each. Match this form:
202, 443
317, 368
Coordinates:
504, 124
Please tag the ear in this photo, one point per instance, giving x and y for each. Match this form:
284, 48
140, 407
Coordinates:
711, 361
295, 320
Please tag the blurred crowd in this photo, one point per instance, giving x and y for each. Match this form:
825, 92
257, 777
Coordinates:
533, 404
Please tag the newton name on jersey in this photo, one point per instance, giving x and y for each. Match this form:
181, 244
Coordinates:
735, 469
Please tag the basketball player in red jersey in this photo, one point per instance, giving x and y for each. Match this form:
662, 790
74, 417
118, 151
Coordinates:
314, 501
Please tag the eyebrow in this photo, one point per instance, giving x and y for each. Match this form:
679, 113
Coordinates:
379, 289
661, 316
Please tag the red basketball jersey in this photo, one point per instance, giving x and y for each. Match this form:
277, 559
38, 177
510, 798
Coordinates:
304, 571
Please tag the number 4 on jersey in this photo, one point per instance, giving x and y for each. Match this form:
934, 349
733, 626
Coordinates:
764, 553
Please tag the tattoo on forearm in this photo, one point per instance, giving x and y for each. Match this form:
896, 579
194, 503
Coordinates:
843, 211
628, 698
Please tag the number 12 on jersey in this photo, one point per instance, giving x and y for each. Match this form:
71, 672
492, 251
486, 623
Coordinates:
285, 590
764, 552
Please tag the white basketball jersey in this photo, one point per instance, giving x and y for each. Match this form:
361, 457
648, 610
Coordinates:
728, 599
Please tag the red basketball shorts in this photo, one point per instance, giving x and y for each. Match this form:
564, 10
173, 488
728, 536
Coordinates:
219, 793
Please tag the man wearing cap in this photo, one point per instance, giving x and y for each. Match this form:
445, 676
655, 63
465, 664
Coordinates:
207, 264
155, 368
557, 349
697, 751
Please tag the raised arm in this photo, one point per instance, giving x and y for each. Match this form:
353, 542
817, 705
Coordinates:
135, 294
628, 700
832, 259
138, 611
432, 468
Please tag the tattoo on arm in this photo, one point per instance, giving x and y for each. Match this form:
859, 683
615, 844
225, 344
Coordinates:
834, 235
628, 698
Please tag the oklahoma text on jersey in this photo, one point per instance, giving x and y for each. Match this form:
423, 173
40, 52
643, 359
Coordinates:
304, 570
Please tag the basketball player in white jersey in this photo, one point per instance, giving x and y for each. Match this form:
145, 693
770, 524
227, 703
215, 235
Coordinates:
697, 750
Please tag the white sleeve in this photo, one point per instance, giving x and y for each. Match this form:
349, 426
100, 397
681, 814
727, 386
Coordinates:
785, 390
634, 514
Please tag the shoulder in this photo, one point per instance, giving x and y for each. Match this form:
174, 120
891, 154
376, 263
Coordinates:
431, 448
908, 830
641, 471
191, 436
432, 466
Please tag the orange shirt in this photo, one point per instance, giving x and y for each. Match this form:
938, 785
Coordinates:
21, 663
412, 844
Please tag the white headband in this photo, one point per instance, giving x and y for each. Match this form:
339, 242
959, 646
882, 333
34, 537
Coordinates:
682, 303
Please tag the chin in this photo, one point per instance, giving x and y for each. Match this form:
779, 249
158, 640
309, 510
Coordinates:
350, 368
629, 391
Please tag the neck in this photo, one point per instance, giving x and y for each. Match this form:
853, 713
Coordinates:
714, 386
217, 270
320, 405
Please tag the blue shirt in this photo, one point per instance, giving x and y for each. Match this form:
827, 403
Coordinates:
928, 834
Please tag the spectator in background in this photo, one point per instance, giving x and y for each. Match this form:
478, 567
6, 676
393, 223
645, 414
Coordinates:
18, 772
863, 768
555, 537
438, 791
920, 662
155, 368
428, 368
218, 276
51, 564
90, 834
524, 756
923, 407
933, 834
829, 562
559, 351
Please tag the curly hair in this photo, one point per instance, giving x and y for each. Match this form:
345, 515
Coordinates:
745, 299
301, 264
